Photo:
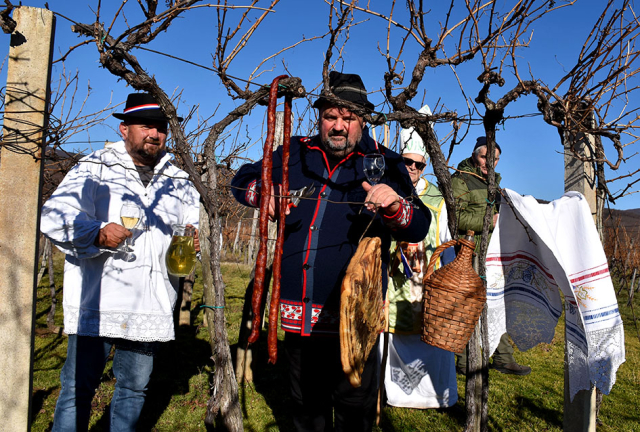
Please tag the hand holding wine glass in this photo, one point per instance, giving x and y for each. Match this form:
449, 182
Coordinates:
130, 215
379, 196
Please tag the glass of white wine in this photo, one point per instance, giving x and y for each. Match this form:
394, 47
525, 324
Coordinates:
181, 255
130, 215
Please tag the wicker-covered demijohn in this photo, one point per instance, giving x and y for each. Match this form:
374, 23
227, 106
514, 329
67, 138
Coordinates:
361, 308
454, 297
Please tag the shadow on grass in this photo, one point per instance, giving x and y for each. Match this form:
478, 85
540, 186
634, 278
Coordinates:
37, 401
272, 382
532, 408
51, 349
392, 419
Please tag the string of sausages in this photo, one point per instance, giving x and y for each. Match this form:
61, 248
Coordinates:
265, 198
277, 258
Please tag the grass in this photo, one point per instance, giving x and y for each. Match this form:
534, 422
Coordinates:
179, 389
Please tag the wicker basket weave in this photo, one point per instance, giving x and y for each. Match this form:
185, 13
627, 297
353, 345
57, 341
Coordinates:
454, 297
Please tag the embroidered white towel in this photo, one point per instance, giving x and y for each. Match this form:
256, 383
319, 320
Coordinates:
538, 252
418, 375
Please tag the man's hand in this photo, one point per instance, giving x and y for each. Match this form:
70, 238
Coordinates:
274, 203
495, 219
112, 235
382, 197
196, 238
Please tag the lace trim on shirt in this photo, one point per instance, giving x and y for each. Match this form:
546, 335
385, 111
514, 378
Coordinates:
125, 325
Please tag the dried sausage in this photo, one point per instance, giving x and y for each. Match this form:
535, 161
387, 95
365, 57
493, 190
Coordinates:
277, 258
265, 198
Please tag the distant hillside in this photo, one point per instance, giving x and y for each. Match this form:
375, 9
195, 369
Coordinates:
629, 219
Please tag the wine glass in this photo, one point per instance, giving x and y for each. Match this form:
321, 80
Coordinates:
130, 215
373, 165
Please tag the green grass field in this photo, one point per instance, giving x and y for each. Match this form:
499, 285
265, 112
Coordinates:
179, 388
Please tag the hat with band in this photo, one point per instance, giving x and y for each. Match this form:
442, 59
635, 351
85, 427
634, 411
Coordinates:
348, 87
142, 106
410, 141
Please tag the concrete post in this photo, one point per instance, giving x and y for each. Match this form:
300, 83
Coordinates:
579, 414
580, 176
25, 117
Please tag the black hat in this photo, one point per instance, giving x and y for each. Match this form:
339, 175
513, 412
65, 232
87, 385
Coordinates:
142, 106
348, 87
482, 141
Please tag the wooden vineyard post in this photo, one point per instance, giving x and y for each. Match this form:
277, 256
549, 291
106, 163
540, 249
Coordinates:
475, 375
25, 120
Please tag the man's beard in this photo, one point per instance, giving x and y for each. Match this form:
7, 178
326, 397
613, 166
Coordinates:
150, 157
341, 149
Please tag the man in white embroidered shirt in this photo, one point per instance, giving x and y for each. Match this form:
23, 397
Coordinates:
113, 298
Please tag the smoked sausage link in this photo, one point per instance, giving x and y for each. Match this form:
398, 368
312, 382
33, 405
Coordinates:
277, 258
265, 198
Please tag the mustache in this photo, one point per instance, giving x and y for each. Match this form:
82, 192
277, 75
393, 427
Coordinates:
334, 133
152, 141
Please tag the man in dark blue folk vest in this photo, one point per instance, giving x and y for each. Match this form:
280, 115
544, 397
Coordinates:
322, 235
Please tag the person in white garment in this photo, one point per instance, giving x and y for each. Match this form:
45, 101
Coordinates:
113, 298
417, 375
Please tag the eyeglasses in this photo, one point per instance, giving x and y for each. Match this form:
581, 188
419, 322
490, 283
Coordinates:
419, 165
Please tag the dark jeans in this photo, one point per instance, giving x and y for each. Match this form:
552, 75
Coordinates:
80, 377
321, 390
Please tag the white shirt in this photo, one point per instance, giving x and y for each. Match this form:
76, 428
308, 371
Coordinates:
104, 295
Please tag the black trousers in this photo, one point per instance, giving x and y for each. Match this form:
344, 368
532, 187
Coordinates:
320, 389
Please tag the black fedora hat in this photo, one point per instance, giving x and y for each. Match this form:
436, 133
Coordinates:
142, 106
348, 87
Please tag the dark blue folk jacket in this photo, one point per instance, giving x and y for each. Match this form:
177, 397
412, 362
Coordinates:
322, 234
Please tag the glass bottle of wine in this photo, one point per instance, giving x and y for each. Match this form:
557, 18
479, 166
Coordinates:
181, 255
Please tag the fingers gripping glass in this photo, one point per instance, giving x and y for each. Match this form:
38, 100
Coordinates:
130, 215
373, 165
419, 165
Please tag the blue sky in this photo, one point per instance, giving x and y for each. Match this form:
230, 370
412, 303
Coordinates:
532, 160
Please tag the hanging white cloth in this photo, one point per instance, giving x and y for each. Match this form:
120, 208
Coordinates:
418, 375
538, 252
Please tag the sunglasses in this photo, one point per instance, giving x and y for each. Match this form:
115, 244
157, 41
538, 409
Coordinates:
419, 165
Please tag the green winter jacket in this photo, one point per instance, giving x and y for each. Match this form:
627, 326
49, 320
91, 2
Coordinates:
470, 193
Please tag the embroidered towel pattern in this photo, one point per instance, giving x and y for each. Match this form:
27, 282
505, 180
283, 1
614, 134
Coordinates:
538, 252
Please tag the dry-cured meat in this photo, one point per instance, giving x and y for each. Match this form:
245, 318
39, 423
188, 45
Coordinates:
277, 258
361, 308
265, 198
